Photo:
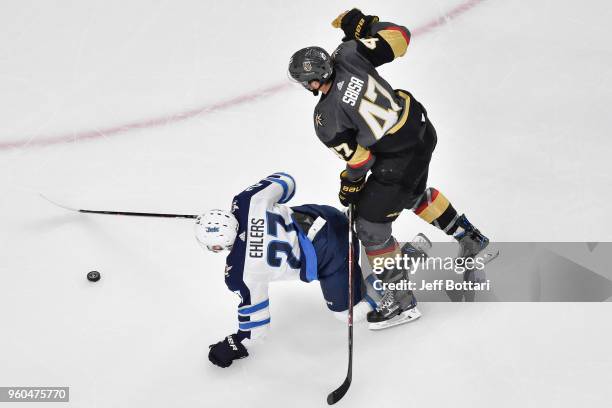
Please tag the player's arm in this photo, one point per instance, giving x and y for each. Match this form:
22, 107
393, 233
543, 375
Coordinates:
254, 312
253, 315
358, 159
378, 42
281, 189
276, 188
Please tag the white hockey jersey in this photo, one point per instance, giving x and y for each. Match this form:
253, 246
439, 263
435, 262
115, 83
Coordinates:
267, 248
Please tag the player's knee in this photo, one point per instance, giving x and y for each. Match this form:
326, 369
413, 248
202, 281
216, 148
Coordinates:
372, 233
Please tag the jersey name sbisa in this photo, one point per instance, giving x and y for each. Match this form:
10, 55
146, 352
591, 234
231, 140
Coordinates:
352, 91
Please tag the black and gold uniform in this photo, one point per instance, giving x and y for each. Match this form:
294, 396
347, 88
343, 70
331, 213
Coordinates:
371, 126
376, 130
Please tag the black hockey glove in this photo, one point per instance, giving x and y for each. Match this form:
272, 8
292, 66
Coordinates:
225, 352
349, 189
355, 24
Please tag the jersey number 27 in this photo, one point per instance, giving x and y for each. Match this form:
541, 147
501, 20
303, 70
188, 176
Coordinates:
277, 246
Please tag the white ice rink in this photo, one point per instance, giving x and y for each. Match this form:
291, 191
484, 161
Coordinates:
157, 106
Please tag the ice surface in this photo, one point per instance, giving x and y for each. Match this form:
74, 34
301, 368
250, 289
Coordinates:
518, 91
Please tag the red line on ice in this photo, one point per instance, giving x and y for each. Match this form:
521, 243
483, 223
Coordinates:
457, 11
42, 140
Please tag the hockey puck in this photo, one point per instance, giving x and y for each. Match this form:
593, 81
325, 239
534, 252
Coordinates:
93, 276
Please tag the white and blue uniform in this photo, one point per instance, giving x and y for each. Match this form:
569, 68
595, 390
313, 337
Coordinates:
271, 245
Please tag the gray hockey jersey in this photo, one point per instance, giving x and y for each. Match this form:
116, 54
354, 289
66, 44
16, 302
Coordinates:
361, 112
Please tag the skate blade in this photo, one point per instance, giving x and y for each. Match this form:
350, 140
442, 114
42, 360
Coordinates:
405, 317
488, 256
421, 242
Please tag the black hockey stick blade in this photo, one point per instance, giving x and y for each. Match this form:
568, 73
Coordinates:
128, 213
338, 393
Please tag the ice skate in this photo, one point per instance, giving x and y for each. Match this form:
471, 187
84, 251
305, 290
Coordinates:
405, 316
399, 306
471, 240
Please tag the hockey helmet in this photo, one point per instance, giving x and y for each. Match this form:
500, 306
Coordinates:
216, 230
310, 64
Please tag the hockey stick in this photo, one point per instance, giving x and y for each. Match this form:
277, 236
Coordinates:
134, 214
339, 392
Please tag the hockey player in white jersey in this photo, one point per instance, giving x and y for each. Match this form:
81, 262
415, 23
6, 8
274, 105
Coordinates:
270, 241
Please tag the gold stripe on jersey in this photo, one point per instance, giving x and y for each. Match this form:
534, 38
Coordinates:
396, 40
361, 156
405, 113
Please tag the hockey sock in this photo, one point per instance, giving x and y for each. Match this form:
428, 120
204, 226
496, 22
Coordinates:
377, 254
435, 209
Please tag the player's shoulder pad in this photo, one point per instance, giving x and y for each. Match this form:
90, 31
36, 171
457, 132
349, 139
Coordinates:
344, 51
350, 57
287, 182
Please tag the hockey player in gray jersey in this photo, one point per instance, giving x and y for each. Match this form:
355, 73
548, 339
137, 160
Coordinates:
383, 132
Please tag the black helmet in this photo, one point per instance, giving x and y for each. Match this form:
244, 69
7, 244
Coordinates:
310, 64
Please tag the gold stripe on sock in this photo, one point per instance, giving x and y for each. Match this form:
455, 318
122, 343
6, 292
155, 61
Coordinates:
435, 209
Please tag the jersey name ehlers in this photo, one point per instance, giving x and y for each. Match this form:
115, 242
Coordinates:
256, 234
352, 91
